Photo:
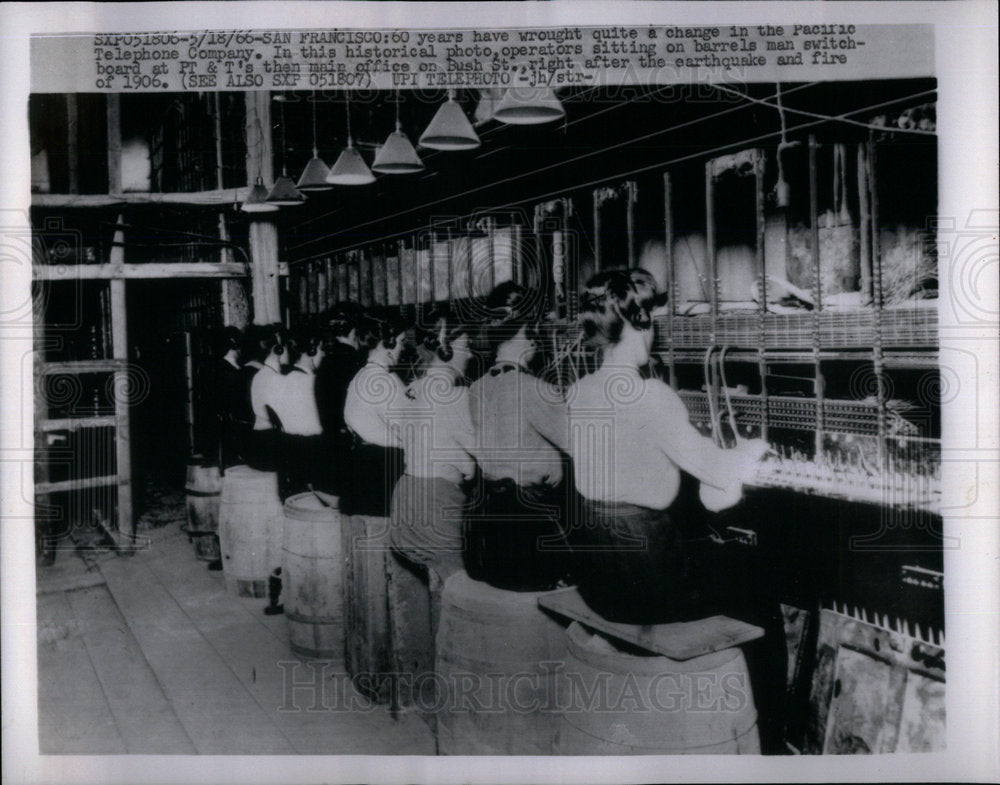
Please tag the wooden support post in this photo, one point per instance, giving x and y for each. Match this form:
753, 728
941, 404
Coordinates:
113, 112
123, 457
119, 335
44, 512
263, 232
264, 253
189, 387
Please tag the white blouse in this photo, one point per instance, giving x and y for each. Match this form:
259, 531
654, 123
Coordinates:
265, 390
296, 403
630, 437
374, 396
436, 428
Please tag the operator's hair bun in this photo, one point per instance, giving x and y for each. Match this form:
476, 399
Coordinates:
375, 329
304, 341
344, 317
509, 308
439, 329
614, 297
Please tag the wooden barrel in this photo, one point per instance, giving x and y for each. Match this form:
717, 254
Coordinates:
368, 645
498, 657
250, 529
618, 703
311, 573
202, 488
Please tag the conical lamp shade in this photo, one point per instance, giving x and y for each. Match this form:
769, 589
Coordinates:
285, 194
314, 175
350, 169
450, 129
257, 200
529, 106
397, 156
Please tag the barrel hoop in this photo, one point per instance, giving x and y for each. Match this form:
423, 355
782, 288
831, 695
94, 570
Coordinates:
193, 492
299, 617
317, 654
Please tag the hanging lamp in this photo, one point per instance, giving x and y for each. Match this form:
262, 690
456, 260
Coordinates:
350, 168
256, 201
450, 129
314, 175
397, 155
529, 106
284, 193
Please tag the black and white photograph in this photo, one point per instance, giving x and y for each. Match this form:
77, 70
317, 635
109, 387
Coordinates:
526, 389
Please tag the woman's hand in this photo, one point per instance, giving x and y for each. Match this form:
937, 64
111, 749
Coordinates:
746, 455
718, 499
752, 450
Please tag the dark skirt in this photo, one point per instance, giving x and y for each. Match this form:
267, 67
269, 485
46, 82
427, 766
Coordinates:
262, 450
427, 515
642, 566
634, 565
369, 479
234, 435
514, 536
301, 464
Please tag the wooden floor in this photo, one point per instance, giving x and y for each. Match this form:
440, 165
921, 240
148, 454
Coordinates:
148, 654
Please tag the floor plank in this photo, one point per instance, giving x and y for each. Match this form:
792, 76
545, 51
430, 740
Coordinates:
323, 715
146, 721
210, 701
160, 659
73, 714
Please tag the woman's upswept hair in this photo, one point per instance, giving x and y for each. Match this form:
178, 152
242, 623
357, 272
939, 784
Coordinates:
375, 328
260, 340
509, 308
614, 297
305, 339
343, 317
439, 328
229, 337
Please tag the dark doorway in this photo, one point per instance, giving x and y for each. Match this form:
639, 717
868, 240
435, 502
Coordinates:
170, 324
